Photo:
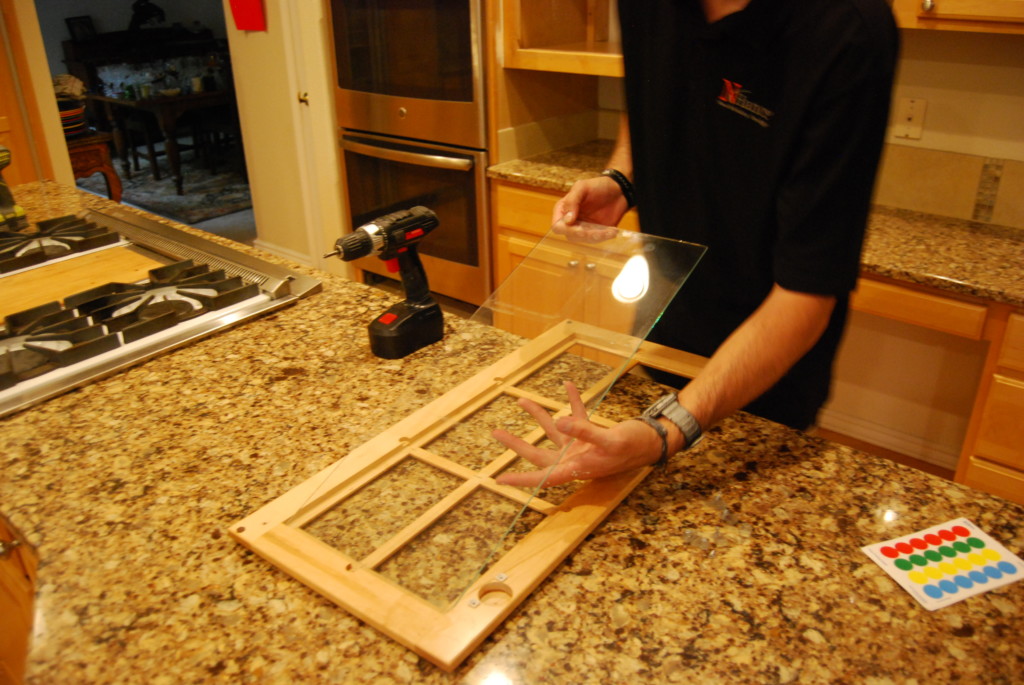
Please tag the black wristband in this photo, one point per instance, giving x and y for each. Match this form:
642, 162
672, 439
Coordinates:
624, 185
662, 433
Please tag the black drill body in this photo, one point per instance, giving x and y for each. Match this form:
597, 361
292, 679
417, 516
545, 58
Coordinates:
417, 321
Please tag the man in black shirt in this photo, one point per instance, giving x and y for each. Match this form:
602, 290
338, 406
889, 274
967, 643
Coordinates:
754, 127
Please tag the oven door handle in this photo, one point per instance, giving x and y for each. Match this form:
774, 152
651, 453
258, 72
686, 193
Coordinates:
417, 158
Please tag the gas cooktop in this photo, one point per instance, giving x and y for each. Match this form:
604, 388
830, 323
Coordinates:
167, 288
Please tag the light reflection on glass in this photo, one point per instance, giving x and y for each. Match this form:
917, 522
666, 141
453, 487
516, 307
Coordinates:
496, 678
632, 282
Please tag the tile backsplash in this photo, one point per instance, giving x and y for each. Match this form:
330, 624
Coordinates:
952, 184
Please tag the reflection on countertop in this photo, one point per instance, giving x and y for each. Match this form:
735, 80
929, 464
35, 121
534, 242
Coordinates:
739, 562
955, 255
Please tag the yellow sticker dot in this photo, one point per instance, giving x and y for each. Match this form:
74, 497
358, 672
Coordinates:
917, 577
933, 572
990, 554
962, 564
948, 568
976, 559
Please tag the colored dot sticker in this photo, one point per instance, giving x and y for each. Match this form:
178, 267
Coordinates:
1006, 567
889, 552
932, 555
961, 531
976, 543
964, 582
948, 568
962, 564
933, 591
933, 539
903, 564
918, 560
947, 586
932, 572
961, 546
947, 551
978, 577
918, 543
991, 554
976, 559
993, 572
947, 535
904, 548
918, 577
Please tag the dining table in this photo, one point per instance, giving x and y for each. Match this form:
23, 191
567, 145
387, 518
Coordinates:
168, 110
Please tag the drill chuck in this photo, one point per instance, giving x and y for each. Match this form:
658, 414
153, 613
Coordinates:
355, 245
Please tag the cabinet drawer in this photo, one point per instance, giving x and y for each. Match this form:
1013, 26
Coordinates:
919, 308
998, 480
1001, 433
529, 211
1012, 353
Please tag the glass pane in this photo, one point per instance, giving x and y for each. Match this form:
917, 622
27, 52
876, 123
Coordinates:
414, 48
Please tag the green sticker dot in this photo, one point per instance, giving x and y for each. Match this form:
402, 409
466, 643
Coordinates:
961, 546
947, 551
976, 543
933, 555
918, 560
903, 564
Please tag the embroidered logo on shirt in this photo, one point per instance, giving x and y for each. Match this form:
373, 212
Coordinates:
734, 97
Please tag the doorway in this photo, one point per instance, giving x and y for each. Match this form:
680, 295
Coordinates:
148, 54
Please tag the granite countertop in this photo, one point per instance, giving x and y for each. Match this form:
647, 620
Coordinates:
957, 256
739, 562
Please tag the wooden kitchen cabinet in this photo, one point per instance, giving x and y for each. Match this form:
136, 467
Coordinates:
993, 455
989, 16
522, 218
569, 36
18, 563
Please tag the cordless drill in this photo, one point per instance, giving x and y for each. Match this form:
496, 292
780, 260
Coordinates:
417, 321
12, 217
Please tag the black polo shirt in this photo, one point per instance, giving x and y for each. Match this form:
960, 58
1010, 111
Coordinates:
759, 136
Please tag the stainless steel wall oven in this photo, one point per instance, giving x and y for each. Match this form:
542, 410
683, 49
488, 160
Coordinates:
410, 102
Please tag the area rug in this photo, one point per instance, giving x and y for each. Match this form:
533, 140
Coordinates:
207, 195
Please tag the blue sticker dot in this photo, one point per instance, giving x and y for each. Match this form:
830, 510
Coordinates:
963, 581
948, 586
933, 591
993, 572
1006, 567
978, 577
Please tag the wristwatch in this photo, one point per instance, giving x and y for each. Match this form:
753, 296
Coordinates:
669, 407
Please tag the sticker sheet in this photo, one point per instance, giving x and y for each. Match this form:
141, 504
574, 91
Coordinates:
949, 562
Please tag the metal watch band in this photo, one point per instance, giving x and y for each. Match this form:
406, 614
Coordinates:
669, 407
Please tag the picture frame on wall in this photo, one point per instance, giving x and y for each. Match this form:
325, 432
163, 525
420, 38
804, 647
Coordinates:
80, 28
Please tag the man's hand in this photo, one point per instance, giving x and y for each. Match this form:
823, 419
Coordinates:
584, 449
598, 200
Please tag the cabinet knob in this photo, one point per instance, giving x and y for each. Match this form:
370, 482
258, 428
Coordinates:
573, 263
927, 5
590, 266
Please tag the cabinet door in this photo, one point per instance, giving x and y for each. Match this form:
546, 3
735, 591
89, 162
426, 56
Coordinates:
991, 16
1001, 435
533, 302
17, 587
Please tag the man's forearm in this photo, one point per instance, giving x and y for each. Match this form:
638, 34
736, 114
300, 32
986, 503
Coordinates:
755, 356
622, 155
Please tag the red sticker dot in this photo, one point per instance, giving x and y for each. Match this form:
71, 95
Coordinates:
933, 539
889, 552
918, 543
946, 535
961, 531
904, 548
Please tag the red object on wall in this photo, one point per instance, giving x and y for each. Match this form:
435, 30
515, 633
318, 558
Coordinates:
249, 15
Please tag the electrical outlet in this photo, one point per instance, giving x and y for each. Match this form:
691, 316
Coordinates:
909, 119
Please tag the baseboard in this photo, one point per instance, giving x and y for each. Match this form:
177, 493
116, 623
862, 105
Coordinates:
883, 436
284, 252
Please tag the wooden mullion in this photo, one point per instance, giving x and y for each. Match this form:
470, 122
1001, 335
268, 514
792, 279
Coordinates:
419, 524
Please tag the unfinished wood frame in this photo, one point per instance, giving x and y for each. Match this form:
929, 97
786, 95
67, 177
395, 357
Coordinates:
446, 635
